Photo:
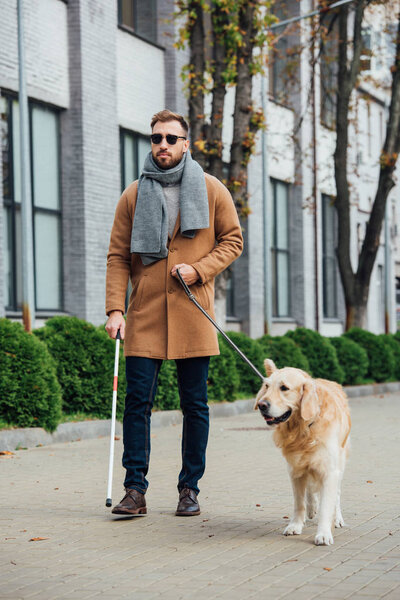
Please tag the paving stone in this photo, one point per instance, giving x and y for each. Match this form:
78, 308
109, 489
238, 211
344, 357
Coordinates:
234, 549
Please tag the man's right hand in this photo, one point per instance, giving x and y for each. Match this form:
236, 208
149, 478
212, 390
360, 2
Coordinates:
115, 321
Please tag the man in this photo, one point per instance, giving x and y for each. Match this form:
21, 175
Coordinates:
174, 217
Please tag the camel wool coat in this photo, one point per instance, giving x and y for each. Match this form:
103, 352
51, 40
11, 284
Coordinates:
161, 320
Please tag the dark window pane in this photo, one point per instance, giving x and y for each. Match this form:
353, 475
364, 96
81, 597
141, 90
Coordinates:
5, 146
126, 13
329, 271
280, 254
47, 261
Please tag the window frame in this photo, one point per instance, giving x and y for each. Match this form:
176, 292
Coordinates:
330, 257
132, 31
14, 206
276, 251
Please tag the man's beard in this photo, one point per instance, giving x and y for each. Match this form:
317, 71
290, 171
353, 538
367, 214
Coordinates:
170, 165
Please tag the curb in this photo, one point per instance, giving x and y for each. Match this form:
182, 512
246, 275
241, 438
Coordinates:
13, 439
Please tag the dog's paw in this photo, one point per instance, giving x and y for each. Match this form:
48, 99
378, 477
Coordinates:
339, 521
294, 528
323, 538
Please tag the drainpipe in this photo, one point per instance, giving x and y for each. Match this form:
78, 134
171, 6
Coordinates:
388, 272
28, 280
315, 188
266, 216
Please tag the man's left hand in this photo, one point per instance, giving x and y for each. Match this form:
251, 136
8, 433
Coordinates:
188, 273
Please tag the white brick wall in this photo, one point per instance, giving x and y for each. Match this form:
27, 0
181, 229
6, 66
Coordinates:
46, 49
140, 82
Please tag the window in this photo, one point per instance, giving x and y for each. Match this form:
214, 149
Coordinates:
134, 149
230, 296
329, 273
329, 70
46, 199
140, 17
280, 255
283, 60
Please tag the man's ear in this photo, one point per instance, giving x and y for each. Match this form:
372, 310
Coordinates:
269, 366
309, 407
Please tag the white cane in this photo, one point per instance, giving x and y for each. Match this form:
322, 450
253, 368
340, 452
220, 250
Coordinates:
113, 419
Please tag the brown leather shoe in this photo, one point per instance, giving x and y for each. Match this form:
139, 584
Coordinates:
133, 503
188, 505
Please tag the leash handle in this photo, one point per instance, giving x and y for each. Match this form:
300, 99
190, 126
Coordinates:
228, 339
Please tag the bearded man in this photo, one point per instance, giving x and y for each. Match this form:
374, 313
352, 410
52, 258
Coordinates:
174, 217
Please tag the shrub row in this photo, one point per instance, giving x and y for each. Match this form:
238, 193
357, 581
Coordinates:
67, 367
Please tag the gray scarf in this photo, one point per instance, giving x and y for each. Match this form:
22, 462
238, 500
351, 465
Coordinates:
150, 225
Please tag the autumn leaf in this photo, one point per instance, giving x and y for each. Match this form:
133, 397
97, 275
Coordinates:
327, 568
38, 539
369, 481
6, 453
285, 517
258, 504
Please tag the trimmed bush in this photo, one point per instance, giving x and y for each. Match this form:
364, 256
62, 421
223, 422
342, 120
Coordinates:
249, 381
352, 358
284, 352
380, 356
390, 340
167, 396
320, 353
223, 377
84, 357
30, 395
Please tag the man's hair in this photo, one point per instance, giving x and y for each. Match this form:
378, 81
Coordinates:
166, 115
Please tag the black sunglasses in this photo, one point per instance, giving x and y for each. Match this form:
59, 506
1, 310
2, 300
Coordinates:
156, 138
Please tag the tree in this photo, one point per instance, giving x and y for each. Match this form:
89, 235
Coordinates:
226, 39
356, 282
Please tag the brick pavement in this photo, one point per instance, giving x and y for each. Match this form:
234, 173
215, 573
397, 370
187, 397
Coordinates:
234, 549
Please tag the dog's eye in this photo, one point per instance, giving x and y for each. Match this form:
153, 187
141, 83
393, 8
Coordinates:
284, 388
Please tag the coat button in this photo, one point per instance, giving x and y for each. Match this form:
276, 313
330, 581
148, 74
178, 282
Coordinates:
171, 249
170, 291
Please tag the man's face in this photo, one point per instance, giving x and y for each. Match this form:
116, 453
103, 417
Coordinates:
165, 155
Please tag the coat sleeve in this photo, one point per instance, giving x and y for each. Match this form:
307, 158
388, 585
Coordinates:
119, 258
228, 235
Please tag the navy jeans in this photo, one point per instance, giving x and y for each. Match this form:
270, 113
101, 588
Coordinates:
141, 385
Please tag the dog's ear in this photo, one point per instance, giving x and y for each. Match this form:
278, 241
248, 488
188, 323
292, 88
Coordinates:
309, 407
269, 366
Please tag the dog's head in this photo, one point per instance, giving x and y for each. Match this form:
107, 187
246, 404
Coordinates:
284, 392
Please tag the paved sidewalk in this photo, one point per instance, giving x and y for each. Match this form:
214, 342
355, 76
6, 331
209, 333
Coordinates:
234, 549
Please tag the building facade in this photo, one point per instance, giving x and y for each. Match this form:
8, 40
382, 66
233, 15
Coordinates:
96, 73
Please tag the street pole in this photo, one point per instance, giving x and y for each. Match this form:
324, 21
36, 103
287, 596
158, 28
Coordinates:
28, 281
266, 196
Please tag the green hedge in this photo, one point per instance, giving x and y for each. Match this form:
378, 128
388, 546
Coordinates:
30, 395
71, 359
391, 342
167, 396
223, 376
284, 352
352, 358
320, 353
249, 381
381, 360
84, 356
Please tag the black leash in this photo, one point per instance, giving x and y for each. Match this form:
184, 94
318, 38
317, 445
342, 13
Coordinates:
193, 299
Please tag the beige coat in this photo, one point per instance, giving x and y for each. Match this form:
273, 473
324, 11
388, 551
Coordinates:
161, 320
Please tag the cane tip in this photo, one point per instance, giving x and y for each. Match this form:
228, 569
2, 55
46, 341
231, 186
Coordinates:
108, 502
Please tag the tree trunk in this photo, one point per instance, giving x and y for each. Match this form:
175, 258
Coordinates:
356, 285
196, 79
243, 107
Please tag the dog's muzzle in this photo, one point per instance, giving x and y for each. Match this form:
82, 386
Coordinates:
273, 420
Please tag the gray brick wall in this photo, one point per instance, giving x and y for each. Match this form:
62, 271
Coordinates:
91, 177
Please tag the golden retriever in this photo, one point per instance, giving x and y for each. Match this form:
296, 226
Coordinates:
311, 422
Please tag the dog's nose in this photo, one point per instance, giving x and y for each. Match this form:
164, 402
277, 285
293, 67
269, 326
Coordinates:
264, 406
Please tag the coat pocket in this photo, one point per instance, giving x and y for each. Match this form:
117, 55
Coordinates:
202, 296
137, 293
